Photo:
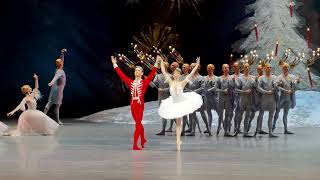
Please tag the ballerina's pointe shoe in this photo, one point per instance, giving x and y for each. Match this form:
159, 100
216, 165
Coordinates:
179, 146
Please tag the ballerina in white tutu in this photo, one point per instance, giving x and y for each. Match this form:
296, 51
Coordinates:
179, 103
32, 121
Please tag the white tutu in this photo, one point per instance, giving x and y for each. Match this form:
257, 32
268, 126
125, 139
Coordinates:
180, 106
3, 128
32, 122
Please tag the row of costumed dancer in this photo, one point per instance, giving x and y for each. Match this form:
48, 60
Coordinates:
184, 92
35, 122
181, 95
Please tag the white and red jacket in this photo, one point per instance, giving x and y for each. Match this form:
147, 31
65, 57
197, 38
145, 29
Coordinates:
137, 87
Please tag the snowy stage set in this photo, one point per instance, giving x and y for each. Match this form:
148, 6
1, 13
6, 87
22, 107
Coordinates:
99, 146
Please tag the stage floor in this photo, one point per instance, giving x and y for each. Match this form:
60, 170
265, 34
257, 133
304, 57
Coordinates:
102, 150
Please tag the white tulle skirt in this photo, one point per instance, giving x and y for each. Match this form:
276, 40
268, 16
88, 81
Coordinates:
3, 128
185, 104
34, 122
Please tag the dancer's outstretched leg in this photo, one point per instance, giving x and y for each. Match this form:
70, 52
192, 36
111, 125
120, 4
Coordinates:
47, 108
285, 120
57, 112
271, 114
276, 116
252, 115
137, 114
209, 118
178, 133
259, 122
205, 120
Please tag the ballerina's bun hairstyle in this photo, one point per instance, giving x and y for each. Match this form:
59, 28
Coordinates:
179, 70
25, 89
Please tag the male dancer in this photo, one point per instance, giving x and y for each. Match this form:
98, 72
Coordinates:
257, 102
210, 96
245, 99
225, 100
163, 93
197, 84
57, 85
138, 87
268, 87
185, 70
235, 83
287, 85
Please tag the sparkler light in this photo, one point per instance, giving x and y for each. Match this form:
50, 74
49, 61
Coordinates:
156, 35
182, 3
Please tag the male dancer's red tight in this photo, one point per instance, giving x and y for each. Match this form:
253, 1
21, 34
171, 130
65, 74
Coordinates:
137, 114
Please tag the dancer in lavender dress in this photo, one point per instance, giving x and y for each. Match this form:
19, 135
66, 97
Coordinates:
57, 85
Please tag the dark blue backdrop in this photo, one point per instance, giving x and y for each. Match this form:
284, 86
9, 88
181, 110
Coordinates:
34, 31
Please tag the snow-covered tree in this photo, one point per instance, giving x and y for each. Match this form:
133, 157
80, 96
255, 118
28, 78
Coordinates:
274, 24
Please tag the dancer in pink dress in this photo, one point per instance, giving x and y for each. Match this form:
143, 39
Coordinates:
32, 121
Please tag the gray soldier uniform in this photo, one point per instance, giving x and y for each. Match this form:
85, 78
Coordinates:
286, 101
245, 100
235, 113
225, 102
197, 84
268, 101
256, 106
210, 97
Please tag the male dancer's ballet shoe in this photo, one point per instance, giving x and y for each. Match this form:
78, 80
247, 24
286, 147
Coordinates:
262, 132
162, 133
227, 135
272, 136
191, 134
143, 142
188, 131
206, 131
136, 148
218, 130
235, 130
246, 135
183, 133
249, 127
169, 130
288, 132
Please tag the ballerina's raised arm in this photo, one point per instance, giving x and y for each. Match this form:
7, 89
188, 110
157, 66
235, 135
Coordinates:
163, 69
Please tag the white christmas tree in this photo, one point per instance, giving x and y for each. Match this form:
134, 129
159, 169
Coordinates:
274, 24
